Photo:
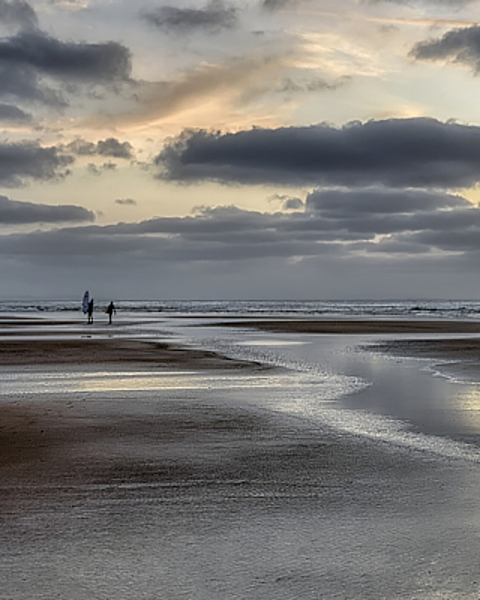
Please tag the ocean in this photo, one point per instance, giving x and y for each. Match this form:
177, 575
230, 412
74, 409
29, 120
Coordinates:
372, 308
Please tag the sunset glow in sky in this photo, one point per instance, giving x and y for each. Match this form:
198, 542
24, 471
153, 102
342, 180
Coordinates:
246, 149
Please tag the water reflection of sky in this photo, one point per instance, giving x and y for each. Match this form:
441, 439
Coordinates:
406, 393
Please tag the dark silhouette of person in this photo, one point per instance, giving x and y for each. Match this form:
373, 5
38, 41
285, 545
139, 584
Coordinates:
110, 310
90, 312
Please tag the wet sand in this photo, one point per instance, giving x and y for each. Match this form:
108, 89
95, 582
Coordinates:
112, 351
358, 326
185, 494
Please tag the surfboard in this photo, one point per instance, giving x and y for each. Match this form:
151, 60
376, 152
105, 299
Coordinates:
86, 297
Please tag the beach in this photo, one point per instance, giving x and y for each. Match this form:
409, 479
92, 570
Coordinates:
134, 468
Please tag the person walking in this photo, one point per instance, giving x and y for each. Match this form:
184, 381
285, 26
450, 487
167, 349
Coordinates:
110, 310
90, 312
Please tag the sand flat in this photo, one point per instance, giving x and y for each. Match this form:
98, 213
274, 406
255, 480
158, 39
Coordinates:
107, 351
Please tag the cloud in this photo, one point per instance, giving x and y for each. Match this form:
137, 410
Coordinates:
231, 84
403, 242
82, 147
396, 214
112, 147
278, 4
35, 67
433, 3
16, 212
316, 84
345, 223
381, 201
214, 17
23, 161
18, 12
21, 82
94, 169
126, 202
293, 204
13, 114
109, 147
288, 202
417, 152
99, 63
71, 5
460, 45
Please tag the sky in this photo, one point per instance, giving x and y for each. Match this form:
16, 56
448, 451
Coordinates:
244, 149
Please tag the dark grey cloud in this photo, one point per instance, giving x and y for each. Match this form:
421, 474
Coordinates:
449, 241
109, 147
126, 202
377, 211
81, 243
214, 17
410, 221
417, 152
288, 202
19, 13
277, 4
293, 204
415, 245
94, 169
99, 63
112, 147
35, 67
14, 212
459, 45
344, 222
11, 113
82, 147
317, 84
372, 201
23, 83
24, 161
349, 220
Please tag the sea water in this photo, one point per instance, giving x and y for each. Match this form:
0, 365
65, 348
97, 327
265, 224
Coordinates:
372, 308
